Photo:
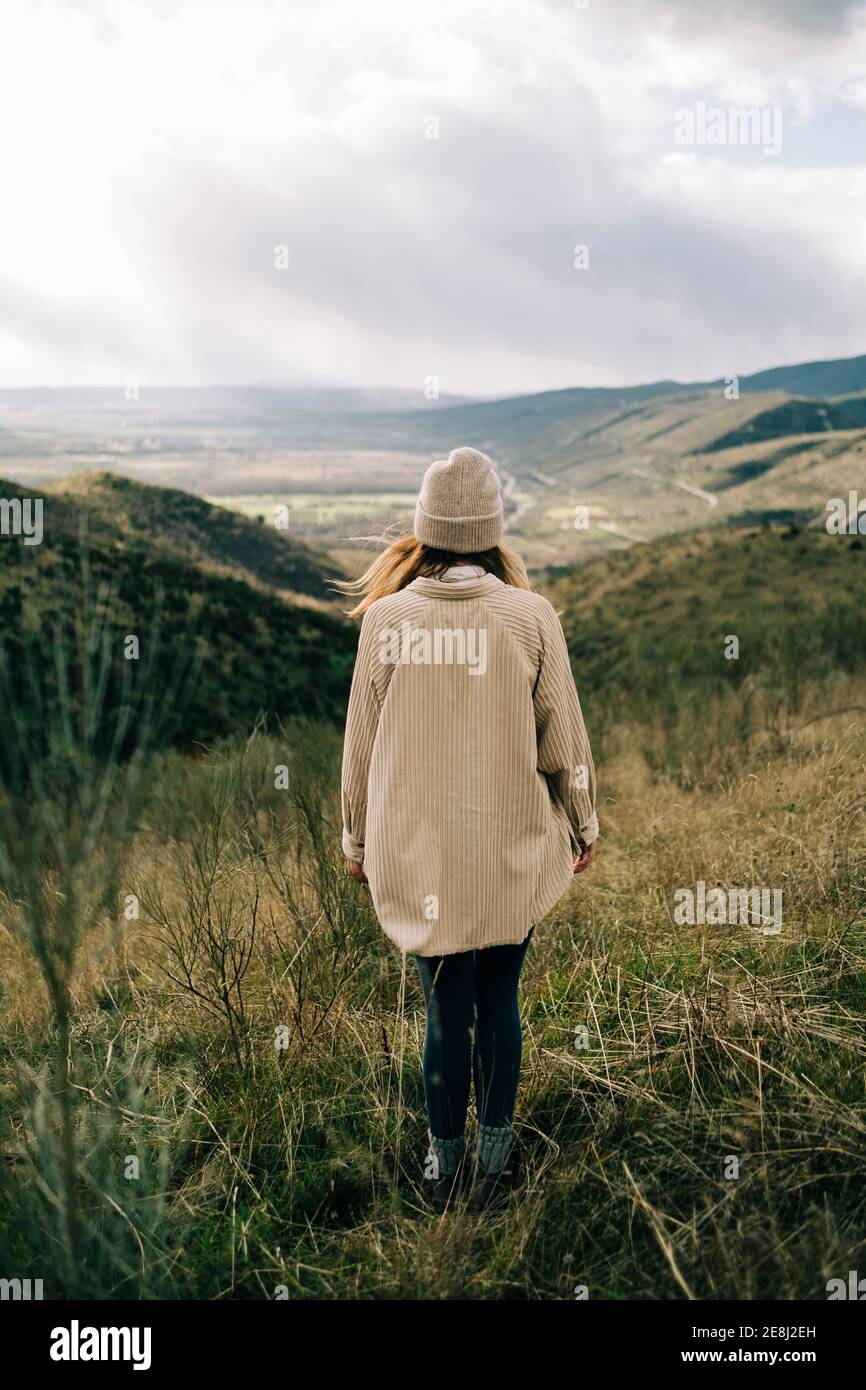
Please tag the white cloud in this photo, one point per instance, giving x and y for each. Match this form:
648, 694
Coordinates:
155, 154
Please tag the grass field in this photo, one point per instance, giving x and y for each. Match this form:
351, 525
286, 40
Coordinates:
242, 1115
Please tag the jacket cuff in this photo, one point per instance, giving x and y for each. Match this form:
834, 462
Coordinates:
588, 834
352, 848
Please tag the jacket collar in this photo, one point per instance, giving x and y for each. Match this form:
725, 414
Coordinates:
434, 588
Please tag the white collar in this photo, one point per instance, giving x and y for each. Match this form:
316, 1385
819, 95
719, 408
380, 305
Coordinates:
462, 574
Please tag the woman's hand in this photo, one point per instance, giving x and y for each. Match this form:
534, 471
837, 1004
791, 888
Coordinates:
356, 871
585, 859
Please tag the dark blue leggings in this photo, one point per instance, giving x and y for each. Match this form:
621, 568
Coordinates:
471, 990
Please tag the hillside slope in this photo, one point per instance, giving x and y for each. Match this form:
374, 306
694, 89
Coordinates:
212, 536
214, 650
650, 625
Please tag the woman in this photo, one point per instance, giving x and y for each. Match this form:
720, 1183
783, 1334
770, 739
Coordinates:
468, 792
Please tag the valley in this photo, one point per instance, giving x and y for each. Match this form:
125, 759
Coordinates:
643, 461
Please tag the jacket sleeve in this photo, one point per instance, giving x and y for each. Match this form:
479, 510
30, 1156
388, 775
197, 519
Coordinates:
362, 720
564, 754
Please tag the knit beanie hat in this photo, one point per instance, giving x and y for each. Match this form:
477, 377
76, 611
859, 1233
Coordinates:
460, 505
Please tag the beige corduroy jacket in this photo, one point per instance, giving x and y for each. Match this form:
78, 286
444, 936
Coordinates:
468, 782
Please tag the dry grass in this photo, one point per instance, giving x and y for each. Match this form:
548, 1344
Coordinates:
300, 1169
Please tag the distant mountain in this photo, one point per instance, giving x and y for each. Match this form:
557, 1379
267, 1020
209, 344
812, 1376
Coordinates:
256, 404
684, 462
797, 416
196, 530
505, 420
545, 424
220, 402
837, 377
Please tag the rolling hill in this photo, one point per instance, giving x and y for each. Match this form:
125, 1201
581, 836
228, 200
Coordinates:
648, 627
214, 650
218, 539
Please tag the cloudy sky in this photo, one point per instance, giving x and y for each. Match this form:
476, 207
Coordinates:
429, 169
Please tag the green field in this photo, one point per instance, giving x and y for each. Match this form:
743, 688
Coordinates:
692, 1112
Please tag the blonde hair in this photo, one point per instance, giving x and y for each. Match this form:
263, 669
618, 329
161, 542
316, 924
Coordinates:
407, 558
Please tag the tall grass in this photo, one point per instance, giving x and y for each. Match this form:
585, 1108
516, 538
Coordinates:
691, 1120
74, 777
